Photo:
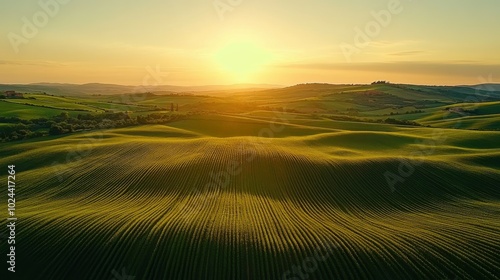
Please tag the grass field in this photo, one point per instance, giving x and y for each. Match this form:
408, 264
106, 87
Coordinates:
423, 104
213, 197
43, 106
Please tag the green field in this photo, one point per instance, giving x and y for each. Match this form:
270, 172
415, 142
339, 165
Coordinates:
253, 193
424, 104
140, 197
41, 106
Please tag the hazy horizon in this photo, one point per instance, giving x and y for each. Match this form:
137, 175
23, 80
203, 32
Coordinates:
250, 85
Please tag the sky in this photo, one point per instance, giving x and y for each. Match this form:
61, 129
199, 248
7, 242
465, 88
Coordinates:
280, 42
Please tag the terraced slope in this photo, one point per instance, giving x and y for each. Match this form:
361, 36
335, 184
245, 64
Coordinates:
482, 116
188, 202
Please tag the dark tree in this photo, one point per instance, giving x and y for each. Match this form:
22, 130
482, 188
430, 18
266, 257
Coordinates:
56, 130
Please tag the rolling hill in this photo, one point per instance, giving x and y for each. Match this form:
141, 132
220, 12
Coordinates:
212, 198
111, 89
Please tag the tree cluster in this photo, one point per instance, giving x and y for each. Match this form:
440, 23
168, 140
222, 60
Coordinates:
407, 112
401, 122
19, 129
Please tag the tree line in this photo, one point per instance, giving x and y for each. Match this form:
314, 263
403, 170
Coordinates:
19, 129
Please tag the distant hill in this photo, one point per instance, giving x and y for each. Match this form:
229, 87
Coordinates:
490, 87
484, 92
110, 89
404, 92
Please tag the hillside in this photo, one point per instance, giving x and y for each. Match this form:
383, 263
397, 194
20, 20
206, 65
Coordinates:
206, 198
110, 89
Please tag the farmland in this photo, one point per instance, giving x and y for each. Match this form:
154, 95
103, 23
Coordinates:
265, 186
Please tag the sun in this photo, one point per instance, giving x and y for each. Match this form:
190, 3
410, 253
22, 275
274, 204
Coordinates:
241, 59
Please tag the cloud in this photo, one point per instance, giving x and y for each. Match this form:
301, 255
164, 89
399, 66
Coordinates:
411, 68
406, 53
30, 63
391, 44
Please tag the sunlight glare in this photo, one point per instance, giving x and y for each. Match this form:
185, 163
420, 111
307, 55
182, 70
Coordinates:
241, 59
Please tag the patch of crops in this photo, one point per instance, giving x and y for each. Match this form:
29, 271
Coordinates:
179, 205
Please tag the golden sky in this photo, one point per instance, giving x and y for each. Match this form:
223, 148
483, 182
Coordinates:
201, 42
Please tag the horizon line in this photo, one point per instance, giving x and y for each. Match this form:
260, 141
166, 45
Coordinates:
239, 84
